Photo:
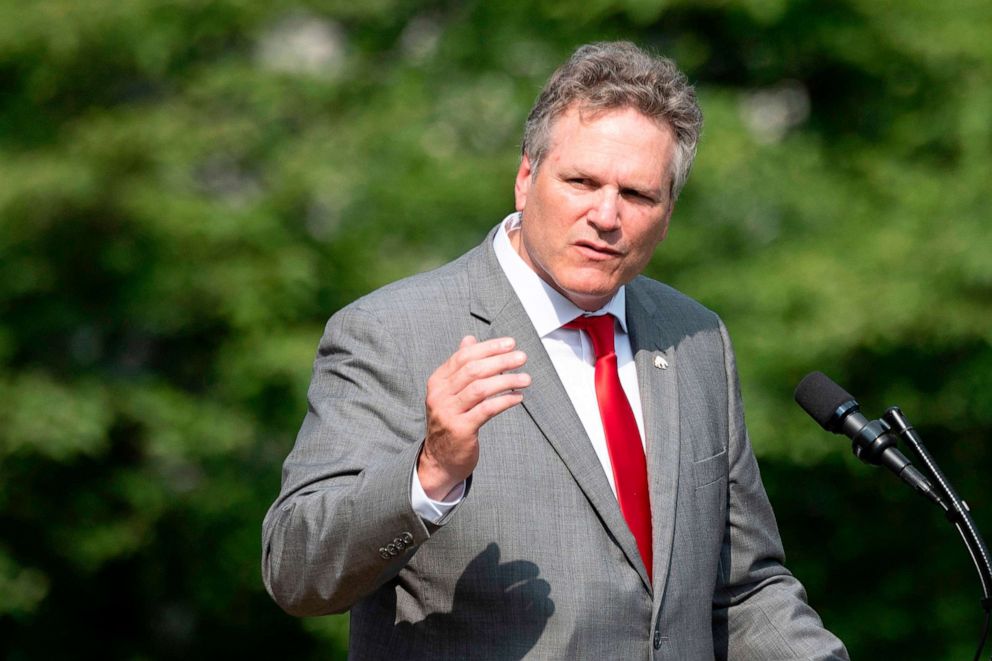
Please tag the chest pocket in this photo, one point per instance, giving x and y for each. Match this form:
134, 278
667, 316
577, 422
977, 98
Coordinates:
709, 470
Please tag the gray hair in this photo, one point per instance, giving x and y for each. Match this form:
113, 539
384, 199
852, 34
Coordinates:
612, 75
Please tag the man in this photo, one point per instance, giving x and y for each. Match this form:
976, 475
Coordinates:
533, 451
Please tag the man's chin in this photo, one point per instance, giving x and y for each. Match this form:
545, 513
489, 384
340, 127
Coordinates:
589, 298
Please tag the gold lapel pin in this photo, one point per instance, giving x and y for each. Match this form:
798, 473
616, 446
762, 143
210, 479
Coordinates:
660, 362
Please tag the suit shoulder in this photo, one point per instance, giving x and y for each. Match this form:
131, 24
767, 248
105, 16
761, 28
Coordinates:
670, 302
429, 293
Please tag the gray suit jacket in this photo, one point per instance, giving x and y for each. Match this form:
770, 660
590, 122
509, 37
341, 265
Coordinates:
537, 560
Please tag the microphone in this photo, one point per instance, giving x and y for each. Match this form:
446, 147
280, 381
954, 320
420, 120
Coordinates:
837, 411
874, 442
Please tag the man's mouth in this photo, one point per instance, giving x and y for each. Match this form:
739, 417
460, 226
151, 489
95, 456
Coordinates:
597, 250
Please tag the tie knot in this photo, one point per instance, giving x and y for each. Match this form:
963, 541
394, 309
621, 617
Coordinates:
600, 330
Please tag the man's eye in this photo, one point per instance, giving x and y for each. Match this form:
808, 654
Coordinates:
637, 196
581, 182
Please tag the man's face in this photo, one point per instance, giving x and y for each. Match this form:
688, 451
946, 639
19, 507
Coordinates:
598, 204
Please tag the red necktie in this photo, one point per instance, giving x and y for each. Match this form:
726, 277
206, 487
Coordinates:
623, 440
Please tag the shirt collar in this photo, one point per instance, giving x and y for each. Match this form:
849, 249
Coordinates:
547, 309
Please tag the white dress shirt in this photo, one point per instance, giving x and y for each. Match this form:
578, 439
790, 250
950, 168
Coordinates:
571, 353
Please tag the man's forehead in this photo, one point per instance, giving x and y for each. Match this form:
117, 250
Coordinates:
588, 113
578, 119
581, 117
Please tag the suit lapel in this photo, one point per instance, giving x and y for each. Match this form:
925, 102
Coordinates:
660, 403
546, 401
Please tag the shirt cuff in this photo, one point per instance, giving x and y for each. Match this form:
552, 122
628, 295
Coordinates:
429, 509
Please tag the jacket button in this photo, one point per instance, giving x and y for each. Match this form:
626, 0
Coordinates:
383, 553
657, 639
407, 538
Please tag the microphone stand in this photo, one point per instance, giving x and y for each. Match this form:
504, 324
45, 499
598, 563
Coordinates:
955, 509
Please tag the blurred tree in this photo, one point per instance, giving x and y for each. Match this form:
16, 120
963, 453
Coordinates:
189, 189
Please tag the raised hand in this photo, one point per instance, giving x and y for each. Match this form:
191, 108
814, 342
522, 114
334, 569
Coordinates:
466, 391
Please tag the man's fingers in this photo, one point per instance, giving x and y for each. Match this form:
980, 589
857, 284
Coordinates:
467, 424
482, 389
461, 410
485, 368
489, 408
469, 351
473, 385
476, 350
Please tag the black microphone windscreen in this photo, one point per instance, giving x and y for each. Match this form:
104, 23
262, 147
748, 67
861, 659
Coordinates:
820, 397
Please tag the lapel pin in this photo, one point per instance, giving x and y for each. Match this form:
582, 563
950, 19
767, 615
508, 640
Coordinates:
660, 363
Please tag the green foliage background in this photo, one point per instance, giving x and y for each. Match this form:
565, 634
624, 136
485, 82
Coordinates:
188, 189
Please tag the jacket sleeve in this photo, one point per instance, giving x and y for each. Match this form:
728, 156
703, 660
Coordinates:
343, 523
759, 609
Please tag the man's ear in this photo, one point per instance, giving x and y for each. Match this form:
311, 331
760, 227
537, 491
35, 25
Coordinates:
666, 221
521, 186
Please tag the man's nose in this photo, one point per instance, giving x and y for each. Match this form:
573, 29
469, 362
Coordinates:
605, 212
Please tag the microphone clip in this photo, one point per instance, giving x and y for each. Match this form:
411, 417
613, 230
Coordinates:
871, 441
